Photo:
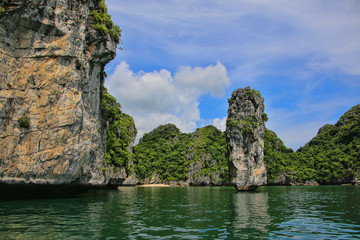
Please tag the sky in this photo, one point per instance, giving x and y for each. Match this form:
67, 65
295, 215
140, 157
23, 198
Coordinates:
180, 60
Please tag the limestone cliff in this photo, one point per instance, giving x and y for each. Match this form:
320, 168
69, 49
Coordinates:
245, 131
52, 58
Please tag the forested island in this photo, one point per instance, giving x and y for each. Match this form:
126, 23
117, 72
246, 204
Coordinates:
166, 155
200, 158
60, 126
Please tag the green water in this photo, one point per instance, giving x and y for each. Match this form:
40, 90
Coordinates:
325, 212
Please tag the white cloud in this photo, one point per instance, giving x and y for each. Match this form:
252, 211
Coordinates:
143, 91
220, 123
303, 53
157, 98
326, 33
210, 79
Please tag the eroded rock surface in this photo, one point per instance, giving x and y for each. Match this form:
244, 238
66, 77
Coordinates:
245, 129
51, 71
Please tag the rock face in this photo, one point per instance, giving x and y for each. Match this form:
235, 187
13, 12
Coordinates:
51, 72
245, 131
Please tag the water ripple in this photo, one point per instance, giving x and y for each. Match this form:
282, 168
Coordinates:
189, 213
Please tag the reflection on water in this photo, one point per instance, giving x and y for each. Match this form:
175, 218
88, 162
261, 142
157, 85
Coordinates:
178, 213
188, 213
49, 219
251, 215
315, 212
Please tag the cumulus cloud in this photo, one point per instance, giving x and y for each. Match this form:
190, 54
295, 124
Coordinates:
210, 79
220, 123
155, 98
292, 51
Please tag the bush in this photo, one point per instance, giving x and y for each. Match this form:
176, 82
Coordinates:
103, 23
251, 92
24, 122
120, 129
264, 117
231, 122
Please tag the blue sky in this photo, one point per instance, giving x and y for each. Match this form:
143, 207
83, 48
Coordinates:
182, 59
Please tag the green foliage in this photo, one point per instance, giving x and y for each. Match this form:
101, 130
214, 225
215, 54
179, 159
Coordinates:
251, 92
230, 122
24, 122
247, 125
277, 157
264, 117
335, 152
120, 130
2, 10
169, 153
332, 157
103, 23
230, 101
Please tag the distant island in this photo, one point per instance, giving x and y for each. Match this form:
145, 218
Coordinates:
332, 157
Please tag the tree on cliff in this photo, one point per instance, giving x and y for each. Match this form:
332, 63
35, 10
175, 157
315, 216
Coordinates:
120, 131
198, 158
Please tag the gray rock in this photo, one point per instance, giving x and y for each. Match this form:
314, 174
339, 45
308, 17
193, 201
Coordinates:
51, 70
245, 129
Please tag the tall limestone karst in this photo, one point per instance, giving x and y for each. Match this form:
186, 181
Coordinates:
245, 129
52, 58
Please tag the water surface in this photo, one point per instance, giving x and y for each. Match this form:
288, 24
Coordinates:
325, 212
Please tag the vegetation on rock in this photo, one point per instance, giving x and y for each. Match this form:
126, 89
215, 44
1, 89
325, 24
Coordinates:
120, 131
276, 156
197, 157
103, 23
253, 92
24, 122
332, 157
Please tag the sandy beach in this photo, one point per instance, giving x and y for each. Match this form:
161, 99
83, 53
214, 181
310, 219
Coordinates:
153, 185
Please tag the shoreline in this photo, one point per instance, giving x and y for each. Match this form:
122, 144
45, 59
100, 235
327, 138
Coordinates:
153, 185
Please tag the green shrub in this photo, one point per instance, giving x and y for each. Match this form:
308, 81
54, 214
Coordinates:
78, 64
24, 122
253, 92
120, 129
103, 23
230, 101
231, 122
264, 117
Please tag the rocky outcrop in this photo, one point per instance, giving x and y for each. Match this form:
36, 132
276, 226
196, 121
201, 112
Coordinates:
51, 71
245, 129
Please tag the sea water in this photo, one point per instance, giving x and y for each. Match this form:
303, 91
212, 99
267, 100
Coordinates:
319, 212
